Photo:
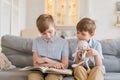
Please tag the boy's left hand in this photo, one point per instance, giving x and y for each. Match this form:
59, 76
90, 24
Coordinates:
91, 52
57, 65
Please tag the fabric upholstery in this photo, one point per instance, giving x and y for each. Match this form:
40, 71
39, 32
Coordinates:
19, 52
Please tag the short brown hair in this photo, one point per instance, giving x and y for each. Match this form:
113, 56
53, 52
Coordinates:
43, 22
86, 24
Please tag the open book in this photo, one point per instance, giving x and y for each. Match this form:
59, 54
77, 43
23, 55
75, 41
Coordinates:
48, 70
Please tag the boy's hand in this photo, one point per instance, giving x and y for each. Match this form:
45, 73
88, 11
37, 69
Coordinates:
58, 66
41, 60
91, 52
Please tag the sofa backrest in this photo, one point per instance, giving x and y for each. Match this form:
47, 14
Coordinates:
111, 52
19, 51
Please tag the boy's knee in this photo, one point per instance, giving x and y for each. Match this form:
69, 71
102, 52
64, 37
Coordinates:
99, 68
53, 77
78, 68
35, 76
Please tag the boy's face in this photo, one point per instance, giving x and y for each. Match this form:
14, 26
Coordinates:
49, 33
84, 35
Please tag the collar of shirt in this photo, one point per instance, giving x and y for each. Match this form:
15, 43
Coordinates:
90, 42
50, 40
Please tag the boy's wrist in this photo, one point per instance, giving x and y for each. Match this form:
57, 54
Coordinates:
96, 55
46, 60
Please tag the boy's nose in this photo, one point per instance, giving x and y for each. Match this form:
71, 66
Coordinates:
48, 36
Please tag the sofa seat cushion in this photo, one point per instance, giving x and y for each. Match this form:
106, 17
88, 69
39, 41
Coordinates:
13, 75
18, 50
111, 63
112, 76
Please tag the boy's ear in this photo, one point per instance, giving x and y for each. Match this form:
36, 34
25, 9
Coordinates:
92, 34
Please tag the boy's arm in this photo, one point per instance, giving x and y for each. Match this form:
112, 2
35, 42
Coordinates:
45, 62
95, 54
37, 60
98, 60
65, 55
41, 61
65, 61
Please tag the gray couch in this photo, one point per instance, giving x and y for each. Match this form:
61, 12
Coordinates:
18, 51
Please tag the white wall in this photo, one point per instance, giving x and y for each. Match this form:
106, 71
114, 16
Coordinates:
22, 14
34, 9
18, 17
37, 7
5, 17
12, 16
103, 12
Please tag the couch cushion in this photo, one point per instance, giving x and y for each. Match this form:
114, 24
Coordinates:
17, 43
112, 63
72, 47
109, 47
18, 50
5, 64
112, 76
111, 53
14, 75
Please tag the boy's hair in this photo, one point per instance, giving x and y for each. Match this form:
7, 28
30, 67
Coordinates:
44, 21
86, 24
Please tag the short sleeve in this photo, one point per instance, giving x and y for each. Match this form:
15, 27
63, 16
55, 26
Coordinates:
98, 47
65, 51
34, 46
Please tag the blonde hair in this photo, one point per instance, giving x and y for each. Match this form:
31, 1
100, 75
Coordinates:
86, 24
44, 21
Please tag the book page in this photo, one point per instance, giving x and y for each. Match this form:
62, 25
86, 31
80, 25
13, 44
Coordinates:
59, 71
48, 70
43, 69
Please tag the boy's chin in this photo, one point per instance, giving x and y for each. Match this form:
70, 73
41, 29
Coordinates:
85, 39
49, 39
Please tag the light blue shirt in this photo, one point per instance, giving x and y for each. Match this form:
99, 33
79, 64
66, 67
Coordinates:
97, 46
54, 49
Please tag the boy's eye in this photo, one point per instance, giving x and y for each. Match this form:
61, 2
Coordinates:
50, 31
47, 32
83, 34
43, 33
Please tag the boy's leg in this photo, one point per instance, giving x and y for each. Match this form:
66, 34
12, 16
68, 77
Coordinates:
96, 73
52, 76
36, 76
80, 73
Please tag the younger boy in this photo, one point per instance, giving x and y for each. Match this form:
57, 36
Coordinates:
48, 50
85, 31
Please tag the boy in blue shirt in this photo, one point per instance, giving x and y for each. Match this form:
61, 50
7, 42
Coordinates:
85, 31
48, 50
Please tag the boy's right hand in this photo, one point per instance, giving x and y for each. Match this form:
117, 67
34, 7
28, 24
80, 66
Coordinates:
57, 65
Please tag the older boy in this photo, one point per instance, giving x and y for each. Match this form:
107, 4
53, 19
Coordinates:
48, 50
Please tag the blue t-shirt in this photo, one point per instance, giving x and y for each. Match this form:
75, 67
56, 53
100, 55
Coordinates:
54, 49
